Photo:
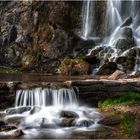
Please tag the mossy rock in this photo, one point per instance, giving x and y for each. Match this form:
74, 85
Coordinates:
75, 66
125, 44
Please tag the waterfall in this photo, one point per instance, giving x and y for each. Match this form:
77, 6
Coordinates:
49, 107
87, 18
113, 17
45, 97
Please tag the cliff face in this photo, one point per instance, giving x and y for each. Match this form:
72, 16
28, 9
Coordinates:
36, 35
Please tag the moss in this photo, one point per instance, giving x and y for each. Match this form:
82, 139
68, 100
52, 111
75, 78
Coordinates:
9, 70
126, 98
127, 123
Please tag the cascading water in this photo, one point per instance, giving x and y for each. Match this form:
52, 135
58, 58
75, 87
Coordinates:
121, 17
52, 109
87, 19
45, 97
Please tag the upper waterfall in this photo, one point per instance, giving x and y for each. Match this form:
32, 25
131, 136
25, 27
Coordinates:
87, 18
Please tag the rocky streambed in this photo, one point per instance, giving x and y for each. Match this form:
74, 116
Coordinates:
90, 92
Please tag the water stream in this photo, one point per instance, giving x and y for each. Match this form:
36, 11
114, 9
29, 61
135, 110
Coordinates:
52, 110
119, 16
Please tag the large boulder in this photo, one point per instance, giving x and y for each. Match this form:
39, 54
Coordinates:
107, 68
129, 58
15, 120
126, 32
15, 133
124, 44
110, 120
68, 114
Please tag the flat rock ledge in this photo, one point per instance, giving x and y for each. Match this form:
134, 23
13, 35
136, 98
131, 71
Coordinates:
90, 90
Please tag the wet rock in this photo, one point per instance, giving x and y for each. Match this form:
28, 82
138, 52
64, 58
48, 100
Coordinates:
2, 115
35, 109
133, 52
127, 22
100, 133
7, 128
110, 120
135, 74
84, 123
125, 44
126, 32
91, 60
67, 122
2, 123
117, 75
121, 60
16, 133
16, 120
18, 110
107, 68
68, 114
82, 46
96, 50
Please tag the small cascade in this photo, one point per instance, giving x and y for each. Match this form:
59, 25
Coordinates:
45, 97
87, 18
53, 109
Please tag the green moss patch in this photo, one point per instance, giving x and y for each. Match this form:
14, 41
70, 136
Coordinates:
9, 70
126, 98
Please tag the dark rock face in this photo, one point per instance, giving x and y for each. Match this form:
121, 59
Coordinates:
38, 30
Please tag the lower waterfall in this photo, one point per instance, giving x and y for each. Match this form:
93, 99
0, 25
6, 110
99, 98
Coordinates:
54, 109
45, 97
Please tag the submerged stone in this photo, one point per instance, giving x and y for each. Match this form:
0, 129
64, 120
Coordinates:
16, 133
67, 122
18, 110
68, 114
84, 123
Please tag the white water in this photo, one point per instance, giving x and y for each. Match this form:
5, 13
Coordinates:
87, 19
117, 12
47, 104
45, 97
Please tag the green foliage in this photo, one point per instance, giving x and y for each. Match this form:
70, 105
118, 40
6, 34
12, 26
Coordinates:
127, 123
126, 98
